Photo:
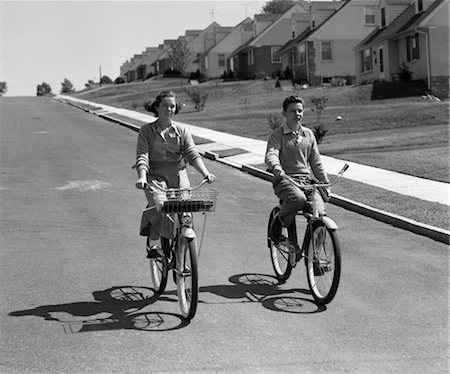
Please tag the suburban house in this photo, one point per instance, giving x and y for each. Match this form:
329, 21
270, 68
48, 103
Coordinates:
158, 64
411, 34
129, 74
322, 47
213, 62
198, 45
141, 67
256, 58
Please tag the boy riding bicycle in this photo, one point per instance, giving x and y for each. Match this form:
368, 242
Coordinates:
292, 149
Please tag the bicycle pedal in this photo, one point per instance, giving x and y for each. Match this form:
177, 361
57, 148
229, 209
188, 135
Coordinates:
298, 253
292, 255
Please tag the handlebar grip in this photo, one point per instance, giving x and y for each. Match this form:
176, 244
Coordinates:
346, 166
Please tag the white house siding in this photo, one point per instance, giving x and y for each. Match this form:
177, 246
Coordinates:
439, 42
343, 39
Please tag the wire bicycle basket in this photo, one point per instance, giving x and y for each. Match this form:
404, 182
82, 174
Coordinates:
180, 201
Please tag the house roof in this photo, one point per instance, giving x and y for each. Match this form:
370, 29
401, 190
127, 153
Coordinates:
263, 17
204, 54
308, 32
404, 23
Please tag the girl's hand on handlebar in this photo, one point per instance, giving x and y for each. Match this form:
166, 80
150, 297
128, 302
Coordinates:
210, 177
278, 171
141, 183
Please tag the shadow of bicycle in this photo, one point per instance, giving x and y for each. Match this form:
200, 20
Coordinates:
265, 289
116, 308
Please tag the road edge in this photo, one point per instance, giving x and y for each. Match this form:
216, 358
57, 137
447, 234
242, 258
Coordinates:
404, 223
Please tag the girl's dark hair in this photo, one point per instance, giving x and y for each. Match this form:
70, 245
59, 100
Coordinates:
292, 99
153, 107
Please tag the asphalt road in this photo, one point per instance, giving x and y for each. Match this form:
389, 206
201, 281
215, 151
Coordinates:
76, 294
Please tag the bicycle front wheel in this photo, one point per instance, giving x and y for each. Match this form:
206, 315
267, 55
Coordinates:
159, 267
323, 263
279, 253
187, 277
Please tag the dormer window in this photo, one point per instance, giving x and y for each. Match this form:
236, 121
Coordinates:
383, 17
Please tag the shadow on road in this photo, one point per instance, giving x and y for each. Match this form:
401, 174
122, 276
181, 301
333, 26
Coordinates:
113, 309
264, 289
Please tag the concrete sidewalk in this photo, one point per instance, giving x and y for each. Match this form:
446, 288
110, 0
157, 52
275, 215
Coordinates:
254, 150
246, 154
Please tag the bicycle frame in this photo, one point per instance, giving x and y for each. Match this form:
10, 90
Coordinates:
320, 247
311, 218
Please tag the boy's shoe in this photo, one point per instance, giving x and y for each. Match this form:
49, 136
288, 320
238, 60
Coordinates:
154, 252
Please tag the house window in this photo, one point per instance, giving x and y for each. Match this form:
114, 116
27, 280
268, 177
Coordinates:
313, 21
366, 60
412, 47
274, 59
301, 54
383, 17
221, 60
250, 58
326, 51
419, 5
369, 15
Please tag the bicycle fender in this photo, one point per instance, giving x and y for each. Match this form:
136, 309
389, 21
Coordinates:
329, 223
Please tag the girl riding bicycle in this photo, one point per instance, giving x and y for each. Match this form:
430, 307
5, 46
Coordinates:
163, 147
292, 149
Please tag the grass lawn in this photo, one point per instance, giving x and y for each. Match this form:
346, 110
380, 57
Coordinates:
407, 135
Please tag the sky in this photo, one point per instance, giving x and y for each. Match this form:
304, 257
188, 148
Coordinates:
49, 41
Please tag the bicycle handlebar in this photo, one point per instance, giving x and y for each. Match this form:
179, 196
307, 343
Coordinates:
178, 189
315, 185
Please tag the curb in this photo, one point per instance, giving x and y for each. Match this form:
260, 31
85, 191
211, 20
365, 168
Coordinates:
404, 223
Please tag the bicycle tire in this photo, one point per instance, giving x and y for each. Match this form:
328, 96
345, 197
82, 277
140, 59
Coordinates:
323, 263
159, 267
187, 280
279, 253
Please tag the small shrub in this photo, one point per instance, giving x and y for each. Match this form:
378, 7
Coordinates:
119, 80
320, 103
275, 121
198, 98
172, 73
319, 132
338, 81
404, 74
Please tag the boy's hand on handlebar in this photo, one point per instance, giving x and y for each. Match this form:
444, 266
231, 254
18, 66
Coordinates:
141, 183
210, 177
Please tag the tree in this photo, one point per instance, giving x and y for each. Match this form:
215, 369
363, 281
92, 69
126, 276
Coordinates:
278, 6
67, 86
43, 89
3, 88
179, 56
106, 80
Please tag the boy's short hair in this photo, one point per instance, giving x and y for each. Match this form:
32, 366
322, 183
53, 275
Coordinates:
292, 99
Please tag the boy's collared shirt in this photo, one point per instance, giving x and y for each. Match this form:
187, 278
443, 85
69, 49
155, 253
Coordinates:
296, 152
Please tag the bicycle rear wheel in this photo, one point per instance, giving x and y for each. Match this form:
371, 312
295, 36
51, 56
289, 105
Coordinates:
187, 277
279, 253
159, 267
323, 263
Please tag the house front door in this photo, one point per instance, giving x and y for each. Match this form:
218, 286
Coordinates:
381, 62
